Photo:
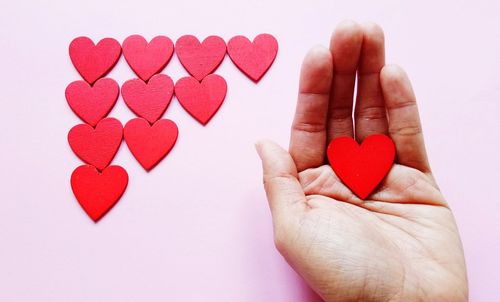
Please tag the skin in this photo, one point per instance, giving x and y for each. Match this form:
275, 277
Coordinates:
401, 243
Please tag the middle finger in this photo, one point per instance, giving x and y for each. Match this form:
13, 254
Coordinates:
370, 114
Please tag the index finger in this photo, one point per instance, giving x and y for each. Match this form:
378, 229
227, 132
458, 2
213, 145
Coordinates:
308, 135
404, 121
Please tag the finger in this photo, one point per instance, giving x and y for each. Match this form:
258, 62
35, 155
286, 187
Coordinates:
308, 136
284, 192
404, 122
345, 46
370, 113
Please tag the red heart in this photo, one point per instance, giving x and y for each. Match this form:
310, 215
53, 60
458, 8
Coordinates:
253, 59
145, 58
201, 100
362, 168
148, 100
200, 59
98, 192
92, 103
94, 61
97, 146
150, 144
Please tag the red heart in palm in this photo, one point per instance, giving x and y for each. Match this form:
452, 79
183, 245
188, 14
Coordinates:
361, 167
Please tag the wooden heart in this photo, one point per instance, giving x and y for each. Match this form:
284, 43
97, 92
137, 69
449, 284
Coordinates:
200, 59
361, 167
150, 144
201, 100
98, 146
253, 59
98, 192
147, 59
94, 61
92, 103
149, 100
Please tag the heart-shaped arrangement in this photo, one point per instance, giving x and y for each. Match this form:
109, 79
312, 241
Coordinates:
361, 167
98, 186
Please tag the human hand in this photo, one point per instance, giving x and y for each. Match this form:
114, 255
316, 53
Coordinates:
401, 243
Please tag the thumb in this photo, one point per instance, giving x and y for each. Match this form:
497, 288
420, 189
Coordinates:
283, 189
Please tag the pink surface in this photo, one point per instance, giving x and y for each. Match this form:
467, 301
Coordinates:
197, 227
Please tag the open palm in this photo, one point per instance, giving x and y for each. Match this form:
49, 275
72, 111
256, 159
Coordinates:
401, 243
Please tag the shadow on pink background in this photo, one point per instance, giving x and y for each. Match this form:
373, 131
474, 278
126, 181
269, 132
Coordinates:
197, 227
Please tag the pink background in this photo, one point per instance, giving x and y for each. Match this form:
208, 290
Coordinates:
197, 227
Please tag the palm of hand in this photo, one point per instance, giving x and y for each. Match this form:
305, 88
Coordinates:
401, 243
391, 247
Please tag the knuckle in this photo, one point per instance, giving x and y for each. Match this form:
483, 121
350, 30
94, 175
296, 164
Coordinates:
371, 113
410, 130
401, 104
278, 181
278, 178
309, 127
340, 113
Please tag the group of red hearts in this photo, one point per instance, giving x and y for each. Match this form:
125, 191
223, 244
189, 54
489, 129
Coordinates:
98, 186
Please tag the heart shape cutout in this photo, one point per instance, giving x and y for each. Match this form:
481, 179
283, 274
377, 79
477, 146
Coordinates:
361, 167
200, 59
253, 58
149, 100
201, 100
97, 192
147, 59
150, 144
94, 61
92, 103
96, 147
